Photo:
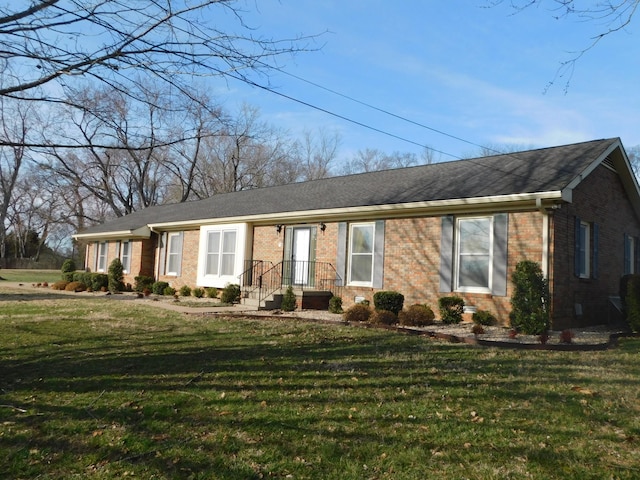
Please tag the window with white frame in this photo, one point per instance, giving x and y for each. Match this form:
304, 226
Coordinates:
474, 254
101, 260
361, 254
125, 256
583, 250
221, 252
174, 253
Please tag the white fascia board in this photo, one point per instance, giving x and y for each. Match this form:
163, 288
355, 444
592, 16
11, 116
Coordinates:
499, 202
137, 234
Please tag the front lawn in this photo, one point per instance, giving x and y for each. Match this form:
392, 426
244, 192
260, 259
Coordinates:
92, 387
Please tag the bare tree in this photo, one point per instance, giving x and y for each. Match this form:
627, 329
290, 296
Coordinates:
46, 46
314, 155
370, 160
611, 16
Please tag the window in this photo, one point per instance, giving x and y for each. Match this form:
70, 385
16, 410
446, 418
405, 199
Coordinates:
101, 261
474, 249
125, 256
361, 254
174, 253
630, 255
221, 252
586, 249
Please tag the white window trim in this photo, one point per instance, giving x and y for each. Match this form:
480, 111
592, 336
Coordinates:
100, 253
457, 286
171, 238
242, 244
349, 254
126, 265
585, 249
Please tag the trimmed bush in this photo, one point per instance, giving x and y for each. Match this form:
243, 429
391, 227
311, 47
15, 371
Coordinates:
388, 300
230, 293
335, 304
357, 313
383, 317
530, 299
158, 287
198, 292
75, 287
632, 302
451, 309
289, 302
185, 291
484, 317
212, 292
141, 282
61, 285
116, 276
417, 315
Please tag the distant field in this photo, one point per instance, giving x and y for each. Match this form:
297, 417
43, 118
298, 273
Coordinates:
29, 276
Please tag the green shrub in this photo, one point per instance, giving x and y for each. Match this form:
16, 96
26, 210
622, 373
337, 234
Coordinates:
158, 287
359, 312
197, 292
530, 299
289, 302
389, 301
141, 282
116, 276
212, 292
484, 317
335, 304
632, 302
417, 315
169, 291
230, 293
61, 285
68, 266
383, 317
99, 281
185, 291
451, 309
75, 287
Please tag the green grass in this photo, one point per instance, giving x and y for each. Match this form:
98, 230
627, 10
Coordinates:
29, 276
102, 388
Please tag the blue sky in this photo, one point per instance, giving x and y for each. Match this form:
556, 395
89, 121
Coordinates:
472, 72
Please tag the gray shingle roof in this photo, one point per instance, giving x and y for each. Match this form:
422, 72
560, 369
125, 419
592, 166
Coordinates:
533, 171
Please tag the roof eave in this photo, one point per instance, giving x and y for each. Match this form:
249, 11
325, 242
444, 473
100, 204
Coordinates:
513, 202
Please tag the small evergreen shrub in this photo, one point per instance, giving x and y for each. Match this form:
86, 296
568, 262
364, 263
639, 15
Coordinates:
185, 291
451, 309
197, 292
417, 315
141, 282
632, 302
530, 299
212, 292
484, 317
169, 291
288, 300
335, 304
61, 285
357, 313
75, 287
383, 317
389, 301
230, 293
99, 282
116, 276
158, 287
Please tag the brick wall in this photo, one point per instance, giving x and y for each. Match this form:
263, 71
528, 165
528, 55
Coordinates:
600, 198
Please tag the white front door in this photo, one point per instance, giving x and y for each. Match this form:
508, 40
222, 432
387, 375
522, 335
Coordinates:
301, 255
